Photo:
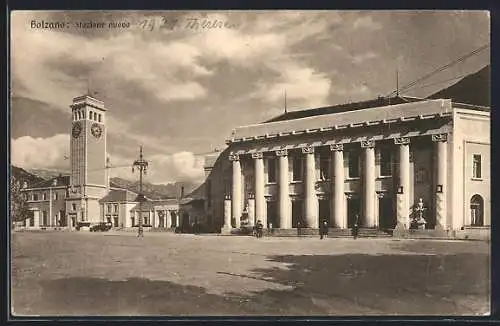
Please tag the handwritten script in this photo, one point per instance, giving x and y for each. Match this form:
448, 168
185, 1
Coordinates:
193, 23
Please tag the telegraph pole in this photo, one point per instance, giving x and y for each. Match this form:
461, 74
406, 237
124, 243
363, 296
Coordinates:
142, 165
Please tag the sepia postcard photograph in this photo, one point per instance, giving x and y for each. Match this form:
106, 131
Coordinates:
249, 163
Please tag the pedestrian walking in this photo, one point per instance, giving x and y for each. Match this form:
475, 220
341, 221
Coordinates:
299, 226
355, 227
323, 229
259, 228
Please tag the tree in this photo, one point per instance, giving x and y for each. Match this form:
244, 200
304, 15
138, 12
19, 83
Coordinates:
18, 205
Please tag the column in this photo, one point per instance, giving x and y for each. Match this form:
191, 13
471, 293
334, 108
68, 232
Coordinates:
311, 200
236, 189
284, 195
403, 191
441, 186
227, 213
51, 218
177, 219
337, 199
369, 219
260, 199
251, 210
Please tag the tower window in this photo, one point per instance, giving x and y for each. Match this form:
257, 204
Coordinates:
73, 207
476, 166
99, 117
91, 115
83, 114
35, 197
115, 207
44, 196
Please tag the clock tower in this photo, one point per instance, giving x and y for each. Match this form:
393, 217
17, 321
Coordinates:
89, 180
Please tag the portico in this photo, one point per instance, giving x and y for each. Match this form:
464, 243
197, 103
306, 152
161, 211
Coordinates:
370, 171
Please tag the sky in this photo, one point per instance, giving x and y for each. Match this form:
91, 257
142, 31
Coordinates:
179, 88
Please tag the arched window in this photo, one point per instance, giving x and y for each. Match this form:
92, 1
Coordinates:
99, 117
91, 115
476, 210
83, 114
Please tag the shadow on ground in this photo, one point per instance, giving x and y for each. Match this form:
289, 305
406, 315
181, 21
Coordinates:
353, 284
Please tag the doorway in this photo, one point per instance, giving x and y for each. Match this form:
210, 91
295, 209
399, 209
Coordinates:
324, 211
272, 220
386, 214
476, 211
297, 212
353, 209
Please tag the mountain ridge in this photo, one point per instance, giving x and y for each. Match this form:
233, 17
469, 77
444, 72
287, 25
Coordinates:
152, 191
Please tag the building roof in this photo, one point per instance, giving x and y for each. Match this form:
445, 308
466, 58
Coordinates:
412, 109
119, 195
59, 181
149, 204
381, 101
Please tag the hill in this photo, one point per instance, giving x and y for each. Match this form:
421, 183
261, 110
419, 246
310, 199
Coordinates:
152, 191
472, 89
155, 191
24, 176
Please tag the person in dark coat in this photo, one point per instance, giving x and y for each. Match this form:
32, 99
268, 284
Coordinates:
323, 230
299, 226
355, 228
259, 228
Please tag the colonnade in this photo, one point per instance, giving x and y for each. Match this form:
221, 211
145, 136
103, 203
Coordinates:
257, 203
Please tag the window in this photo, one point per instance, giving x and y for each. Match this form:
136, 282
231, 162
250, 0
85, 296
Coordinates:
35, 196
353, 164
109, 208
271, 170
73, 207
297, 169
99, 117
476, 166
324, 168
44, 196
115, 208
83, 114
55, 195
91, 115
385, 162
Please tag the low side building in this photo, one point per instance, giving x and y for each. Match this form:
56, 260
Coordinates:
46, 203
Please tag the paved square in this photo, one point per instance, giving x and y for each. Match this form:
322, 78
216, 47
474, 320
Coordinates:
82, 273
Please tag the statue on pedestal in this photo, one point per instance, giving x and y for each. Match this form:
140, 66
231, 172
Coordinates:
419, 220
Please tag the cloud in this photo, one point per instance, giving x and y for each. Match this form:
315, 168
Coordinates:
181, 166
45, 153
360, 58
366, 22
303, 85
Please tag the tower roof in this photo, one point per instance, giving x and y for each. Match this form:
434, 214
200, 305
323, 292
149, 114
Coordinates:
87, 100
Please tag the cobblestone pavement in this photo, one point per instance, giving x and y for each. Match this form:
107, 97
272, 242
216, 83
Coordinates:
83, 273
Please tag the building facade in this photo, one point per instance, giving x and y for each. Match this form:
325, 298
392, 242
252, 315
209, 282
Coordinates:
372, 161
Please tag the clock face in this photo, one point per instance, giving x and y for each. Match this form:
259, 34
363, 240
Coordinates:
77, 129
96, 130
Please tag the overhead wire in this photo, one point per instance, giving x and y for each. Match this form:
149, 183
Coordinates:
435, 71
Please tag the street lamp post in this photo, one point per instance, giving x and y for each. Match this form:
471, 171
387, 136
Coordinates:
142, 165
